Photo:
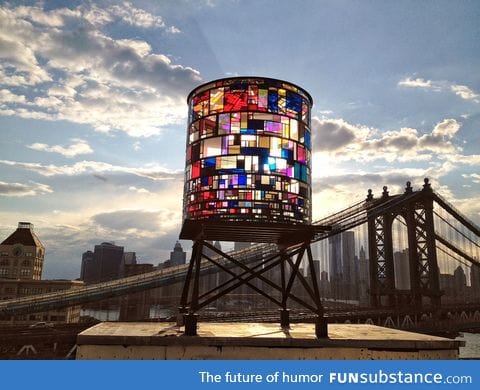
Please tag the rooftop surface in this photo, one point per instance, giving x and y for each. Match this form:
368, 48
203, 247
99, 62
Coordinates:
260, 334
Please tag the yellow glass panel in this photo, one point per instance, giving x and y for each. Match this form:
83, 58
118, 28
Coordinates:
294, 129
264, 142
216, 100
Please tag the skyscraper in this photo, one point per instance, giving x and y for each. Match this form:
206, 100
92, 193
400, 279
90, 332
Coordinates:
402, 270
178, 256
87, 271
343, 272
106, 262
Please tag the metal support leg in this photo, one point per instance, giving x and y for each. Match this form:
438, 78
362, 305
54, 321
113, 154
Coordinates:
321, 327
190, 321
285, 318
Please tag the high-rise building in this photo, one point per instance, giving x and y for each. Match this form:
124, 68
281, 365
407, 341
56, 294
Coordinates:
178, 256
107, 262
460, 279
129, 258
475, 280
343, 271
22, 254
402, 270
109, 258
363, 277
87, 271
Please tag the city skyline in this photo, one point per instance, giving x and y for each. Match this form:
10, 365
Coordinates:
93, 112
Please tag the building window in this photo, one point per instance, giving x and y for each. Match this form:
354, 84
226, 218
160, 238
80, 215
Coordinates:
26, 263
4, 254
25, 272
4, 262
28, 254
3, 271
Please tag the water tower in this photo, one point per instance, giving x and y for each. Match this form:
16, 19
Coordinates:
248, 179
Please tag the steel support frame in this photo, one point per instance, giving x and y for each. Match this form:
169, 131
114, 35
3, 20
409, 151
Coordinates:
287, 259
424, 272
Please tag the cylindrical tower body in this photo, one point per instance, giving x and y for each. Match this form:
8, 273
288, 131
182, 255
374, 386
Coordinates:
248, 152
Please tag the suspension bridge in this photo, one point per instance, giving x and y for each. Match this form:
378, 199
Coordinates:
387, 255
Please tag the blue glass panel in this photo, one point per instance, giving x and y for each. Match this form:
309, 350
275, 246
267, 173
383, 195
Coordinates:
226, 171
272, 100
204, 181
307, 139
304, 173
242, 180
287, 154
294, 101
298, 172
248, 131
210, 162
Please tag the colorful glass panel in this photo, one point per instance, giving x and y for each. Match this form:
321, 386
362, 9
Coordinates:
248, 152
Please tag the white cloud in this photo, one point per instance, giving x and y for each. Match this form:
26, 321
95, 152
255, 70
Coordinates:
151, 171
8, 97
345, 141
21, 189
474, 176
79, 147
144, 222
87, 76
139, 190
415, 83
126, 13
463, 91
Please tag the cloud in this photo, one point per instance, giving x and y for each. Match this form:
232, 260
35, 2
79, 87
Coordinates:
150, 171
139, 220
464, 92
21, 190
87, 76
345, 141
474, 176
139, 190
415, 83
8, 97
126, 13
333, 134
441, 86
137, 146
79, 147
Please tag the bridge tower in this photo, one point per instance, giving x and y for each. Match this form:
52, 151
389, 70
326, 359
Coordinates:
248, 179
416, 208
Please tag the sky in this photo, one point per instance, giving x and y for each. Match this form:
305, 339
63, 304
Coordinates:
93, 106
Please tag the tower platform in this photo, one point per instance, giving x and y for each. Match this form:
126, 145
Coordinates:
277, 233
231, 341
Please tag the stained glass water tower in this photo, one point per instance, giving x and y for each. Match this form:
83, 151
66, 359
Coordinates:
248, 178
